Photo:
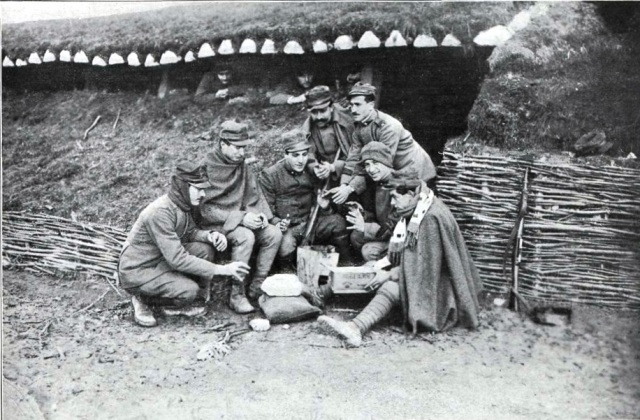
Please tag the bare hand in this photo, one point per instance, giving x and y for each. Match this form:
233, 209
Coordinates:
323, 170
237, 270
323, 201
356, 219
253, 221
380, 278
340, 194
283, 225
218, 240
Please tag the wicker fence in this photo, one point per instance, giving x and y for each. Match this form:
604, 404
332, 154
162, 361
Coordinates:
581, 235
580, 242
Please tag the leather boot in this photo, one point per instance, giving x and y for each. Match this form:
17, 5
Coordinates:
347, 330
238, 301
142, 314
343, 247
317, 296
286, 264
255, 289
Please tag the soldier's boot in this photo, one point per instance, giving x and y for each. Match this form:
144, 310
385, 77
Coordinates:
142, 314
255, 288
286, 264
317, 296
379, 307
238, 301
342, 243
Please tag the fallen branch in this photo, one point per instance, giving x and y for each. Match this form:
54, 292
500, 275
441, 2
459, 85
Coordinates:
89, 306
86, 133
116, 122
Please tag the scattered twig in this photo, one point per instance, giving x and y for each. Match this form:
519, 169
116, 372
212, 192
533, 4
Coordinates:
217, 328
323, 345
115, 124
86, 133
92, 303
114, 287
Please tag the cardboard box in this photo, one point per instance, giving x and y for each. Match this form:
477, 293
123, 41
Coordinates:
350, 280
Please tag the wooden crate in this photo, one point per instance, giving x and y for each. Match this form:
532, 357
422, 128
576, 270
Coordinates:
350, 280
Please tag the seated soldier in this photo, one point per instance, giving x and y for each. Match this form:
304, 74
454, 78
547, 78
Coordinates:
165, 251
434, 280
291, 188
371, 235
234, 205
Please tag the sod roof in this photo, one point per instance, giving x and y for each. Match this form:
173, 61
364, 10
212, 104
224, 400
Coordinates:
183, 28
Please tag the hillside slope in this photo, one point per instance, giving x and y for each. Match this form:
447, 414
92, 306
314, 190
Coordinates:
566, 74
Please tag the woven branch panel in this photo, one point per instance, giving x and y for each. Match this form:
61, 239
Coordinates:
581, 236
45, 243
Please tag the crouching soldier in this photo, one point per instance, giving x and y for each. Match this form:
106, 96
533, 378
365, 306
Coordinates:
165, 252
291, 189
435, 281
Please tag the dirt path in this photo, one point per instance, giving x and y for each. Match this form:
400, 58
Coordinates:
96, 364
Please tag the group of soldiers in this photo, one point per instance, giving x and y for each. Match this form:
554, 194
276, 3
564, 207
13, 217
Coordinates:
369, 180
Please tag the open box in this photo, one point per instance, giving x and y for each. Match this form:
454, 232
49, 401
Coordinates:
351, 280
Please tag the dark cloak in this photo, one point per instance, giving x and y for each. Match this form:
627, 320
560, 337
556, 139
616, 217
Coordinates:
439, 283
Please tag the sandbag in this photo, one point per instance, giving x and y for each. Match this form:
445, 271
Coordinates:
282, 309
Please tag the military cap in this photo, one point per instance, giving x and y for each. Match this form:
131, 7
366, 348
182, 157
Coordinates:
295, 141
192, 174
362, 89
318, 97
235, 133
377, 151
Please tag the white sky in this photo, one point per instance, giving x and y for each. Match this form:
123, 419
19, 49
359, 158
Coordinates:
23, 11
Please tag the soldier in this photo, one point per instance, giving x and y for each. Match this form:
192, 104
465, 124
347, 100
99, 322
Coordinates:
292, 190
165, 251
376, 126
235, 206
329, 128
220, 84
434, 280
371, 236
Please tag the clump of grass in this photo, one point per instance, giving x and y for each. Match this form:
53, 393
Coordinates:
563, 76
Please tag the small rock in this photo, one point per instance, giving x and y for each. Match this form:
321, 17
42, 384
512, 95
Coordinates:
286, 326
105, 359
110, 350
50, 354
259, 324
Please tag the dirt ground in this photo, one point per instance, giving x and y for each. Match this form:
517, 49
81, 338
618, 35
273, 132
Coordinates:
70, 346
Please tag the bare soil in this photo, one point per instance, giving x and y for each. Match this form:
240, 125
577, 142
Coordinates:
76, 362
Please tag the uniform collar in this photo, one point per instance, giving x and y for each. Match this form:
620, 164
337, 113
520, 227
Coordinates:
373, 117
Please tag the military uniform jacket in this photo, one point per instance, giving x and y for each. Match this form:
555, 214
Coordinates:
407, 153
154, 245
322, 149
289, 192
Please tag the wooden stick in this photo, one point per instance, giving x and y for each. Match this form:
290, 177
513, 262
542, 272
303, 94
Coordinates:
115, 124
86, 133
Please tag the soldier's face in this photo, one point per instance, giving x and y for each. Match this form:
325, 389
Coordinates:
305, 80
195, 195
224, 77
232, 152
377, 171
297, 160
321, 116
360, 108
402, 202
